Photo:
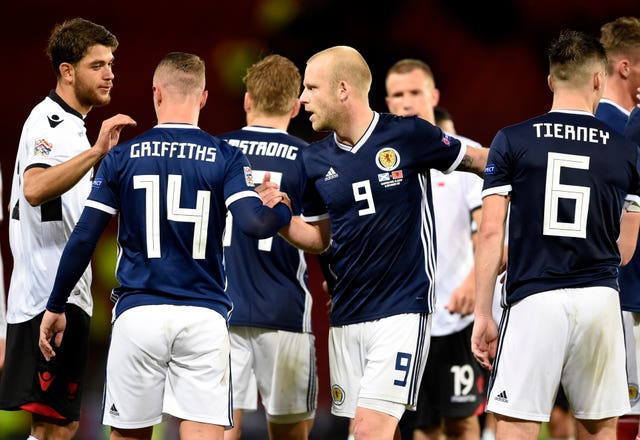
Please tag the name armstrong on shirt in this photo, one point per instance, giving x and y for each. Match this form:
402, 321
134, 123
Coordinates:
263, 148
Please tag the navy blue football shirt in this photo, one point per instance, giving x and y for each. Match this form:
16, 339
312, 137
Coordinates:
267, 279
182, 174
378, 199
568, 175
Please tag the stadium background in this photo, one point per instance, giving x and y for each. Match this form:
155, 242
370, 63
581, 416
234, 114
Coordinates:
488, 58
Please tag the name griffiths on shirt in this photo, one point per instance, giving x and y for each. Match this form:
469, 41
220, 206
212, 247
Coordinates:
262, 148
572, 132
178, 150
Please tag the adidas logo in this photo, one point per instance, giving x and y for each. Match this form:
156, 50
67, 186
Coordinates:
114, 411
502, 397
331, 174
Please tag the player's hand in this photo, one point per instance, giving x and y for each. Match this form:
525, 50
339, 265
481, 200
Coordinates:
110, 132
51, 329
463, 300
3, 346
484, 340
270, 193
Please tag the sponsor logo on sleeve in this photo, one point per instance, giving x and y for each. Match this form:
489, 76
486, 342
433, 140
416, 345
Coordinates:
490, 169
54, 120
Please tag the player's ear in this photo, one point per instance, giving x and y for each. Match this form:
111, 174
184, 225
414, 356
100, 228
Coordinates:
296, 109
203, 98
157, 95
66, 71
598, 80
435, 97
247, 102
550, 82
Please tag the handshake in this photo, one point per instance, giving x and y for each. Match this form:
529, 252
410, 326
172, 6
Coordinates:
270, 193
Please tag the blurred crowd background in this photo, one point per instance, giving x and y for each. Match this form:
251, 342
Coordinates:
488, 58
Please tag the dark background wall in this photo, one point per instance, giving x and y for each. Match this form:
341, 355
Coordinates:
488, 58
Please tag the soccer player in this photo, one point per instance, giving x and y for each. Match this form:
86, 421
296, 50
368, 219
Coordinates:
632, 132
3, 302
452, 389
169, 350
621, 40
51, 181
566, 176
272, 346
367, 193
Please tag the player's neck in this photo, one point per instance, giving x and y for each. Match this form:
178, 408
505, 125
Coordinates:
178, 114
68, 95
616, 92
356, 127
574, 102
278, 122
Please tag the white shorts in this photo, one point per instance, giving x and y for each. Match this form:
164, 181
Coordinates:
378, 364
568, 336
166, 359
632, 344
281, 366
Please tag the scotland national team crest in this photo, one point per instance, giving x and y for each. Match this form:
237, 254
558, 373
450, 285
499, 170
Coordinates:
337, 395
42, 148
634, 396
387, 159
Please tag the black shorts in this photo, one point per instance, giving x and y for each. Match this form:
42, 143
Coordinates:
51, 389
453, 384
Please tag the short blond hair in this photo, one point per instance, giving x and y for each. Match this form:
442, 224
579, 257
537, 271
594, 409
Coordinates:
274, 85
181, 72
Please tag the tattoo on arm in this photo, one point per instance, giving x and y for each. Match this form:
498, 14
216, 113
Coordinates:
467, 164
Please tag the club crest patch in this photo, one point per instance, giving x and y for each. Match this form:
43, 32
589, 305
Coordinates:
248, 176
337, 395
42, 148
634, 396
387, 159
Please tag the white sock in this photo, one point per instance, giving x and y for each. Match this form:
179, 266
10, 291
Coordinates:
31, 438
351, 437
488, 434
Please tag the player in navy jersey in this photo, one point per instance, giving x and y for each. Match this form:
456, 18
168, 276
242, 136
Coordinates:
566, 176
272, 346
367, 194
621, 40
51, 181
172, 185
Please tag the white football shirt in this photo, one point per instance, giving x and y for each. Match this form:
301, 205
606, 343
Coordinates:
52, 134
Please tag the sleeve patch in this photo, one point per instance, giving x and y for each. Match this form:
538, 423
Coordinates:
248, 176
42, 147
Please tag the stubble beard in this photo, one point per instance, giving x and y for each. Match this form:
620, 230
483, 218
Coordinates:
91, 97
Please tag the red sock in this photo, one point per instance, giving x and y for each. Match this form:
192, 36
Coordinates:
628, 428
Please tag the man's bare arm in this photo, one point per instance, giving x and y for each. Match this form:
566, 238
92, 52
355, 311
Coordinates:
474, 160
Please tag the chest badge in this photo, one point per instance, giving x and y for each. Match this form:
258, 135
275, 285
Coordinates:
387, 159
